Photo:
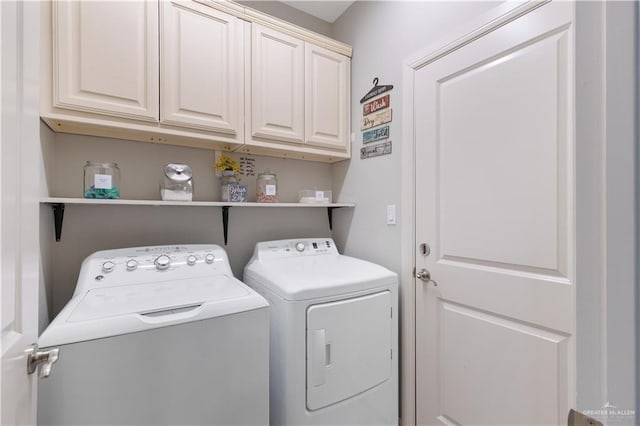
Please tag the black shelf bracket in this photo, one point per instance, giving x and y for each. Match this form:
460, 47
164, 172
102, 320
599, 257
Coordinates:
330, 215
58, 216
225, 222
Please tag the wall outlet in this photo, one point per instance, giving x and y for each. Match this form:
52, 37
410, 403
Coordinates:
391, 214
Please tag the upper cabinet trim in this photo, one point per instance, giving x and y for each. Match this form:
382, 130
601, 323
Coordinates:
254, 16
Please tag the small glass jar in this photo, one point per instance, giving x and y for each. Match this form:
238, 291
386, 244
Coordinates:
267, 188
177, 183
228, 178
101, 180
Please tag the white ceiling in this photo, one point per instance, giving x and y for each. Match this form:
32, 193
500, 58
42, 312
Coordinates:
326, 10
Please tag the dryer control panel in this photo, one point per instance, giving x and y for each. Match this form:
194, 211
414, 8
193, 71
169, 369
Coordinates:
295, 248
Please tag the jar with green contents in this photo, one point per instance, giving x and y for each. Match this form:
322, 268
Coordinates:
101, 180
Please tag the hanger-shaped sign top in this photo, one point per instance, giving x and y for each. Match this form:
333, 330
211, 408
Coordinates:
376, 90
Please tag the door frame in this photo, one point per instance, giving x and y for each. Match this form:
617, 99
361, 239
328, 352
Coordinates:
589, 379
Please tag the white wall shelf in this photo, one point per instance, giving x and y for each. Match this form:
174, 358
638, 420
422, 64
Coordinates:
58, 205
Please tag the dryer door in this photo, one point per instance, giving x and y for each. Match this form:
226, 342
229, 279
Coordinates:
348, 348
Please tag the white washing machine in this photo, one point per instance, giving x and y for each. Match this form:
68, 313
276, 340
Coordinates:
334, 334
160, 335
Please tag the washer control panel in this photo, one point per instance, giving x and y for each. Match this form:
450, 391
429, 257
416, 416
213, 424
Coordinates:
295, 248
151, 264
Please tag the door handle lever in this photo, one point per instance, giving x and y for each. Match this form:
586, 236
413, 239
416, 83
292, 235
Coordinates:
425, 275
43, 359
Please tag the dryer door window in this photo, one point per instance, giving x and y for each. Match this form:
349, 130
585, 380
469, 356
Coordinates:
348, 348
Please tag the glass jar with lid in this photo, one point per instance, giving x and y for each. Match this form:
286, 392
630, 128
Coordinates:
227, 180
267, 188
101, 180
177, 183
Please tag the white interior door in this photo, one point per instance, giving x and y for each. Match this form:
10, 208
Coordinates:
495, 202
19, 123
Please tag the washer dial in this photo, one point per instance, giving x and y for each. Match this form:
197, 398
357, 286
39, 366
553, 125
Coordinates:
108, 266
162, 262
300, 247
132, 265
191, 260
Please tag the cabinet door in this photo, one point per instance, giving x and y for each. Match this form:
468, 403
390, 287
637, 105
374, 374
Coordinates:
277, 104
106, 57
202, 67
327, 98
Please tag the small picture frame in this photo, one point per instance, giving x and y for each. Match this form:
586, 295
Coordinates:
238, 193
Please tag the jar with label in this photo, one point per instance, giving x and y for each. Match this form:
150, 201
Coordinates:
267, 188
101, 180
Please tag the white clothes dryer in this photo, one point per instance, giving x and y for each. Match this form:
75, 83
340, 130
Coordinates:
334, 334
161, 335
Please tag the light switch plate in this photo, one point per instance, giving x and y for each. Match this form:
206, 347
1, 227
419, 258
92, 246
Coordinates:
391, 214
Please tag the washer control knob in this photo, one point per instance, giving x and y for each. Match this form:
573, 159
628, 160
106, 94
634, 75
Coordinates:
162, 262
209, 258
132, 265
300, 246
191, 259
108, 266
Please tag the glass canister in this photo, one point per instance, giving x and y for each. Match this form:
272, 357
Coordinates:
267, 188
177, 183
101, 180
227, 180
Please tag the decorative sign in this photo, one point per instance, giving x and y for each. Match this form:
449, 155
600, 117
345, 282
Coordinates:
247, 166
374, 120
375, 105
376, 90
375, 134
237, 193
371, 151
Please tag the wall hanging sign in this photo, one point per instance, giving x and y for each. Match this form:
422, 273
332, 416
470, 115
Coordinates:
371, 151
375, 134
375, 105
374, 120
376, 90
247, 166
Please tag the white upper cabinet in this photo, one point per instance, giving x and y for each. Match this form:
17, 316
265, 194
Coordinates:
299, 97
106, 58
327, 97
277, 76
214, 75
202, 68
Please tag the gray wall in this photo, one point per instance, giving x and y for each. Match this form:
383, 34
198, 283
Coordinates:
290, 14
621, 186
607, 185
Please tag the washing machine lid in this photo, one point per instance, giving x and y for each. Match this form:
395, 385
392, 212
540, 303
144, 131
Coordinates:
303, 278
112, 311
